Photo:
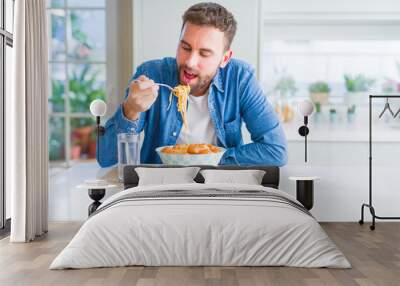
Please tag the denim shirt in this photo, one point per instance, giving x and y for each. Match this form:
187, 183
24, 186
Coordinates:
235, 97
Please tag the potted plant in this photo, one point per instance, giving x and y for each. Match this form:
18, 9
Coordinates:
285, 87
317, 115
76, 149
317, 107
82, 129
332, 115
351, 112
357, 86
319, 92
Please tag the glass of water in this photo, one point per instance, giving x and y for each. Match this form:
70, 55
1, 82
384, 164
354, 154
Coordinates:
128, 152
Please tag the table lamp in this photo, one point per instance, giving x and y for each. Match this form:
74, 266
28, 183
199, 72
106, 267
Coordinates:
96, 188
306, 108
98, 108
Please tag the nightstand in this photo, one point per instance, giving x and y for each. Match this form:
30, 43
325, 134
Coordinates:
96, 191
305, 190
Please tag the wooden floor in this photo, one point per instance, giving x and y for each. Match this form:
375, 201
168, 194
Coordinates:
374, 255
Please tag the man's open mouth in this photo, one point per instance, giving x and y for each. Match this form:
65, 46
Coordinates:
187, 76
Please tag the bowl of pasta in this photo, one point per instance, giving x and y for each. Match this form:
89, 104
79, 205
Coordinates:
190, 154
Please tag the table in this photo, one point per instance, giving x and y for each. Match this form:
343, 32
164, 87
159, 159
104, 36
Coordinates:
96, 191
305, 190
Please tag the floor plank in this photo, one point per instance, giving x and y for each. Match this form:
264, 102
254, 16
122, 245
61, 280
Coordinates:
374, 255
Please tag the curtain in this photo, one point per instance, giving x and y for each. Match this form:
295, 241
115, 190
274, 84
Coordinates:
26, 117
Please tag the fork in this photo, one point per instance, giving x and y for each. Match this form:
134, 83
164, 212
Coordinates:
144, 86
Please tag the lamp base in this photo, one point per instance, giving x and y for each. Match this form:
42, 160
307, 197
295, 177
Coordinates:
96, 195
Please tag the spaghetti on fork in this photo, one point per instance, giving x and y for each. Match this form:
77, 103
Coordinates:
182, 93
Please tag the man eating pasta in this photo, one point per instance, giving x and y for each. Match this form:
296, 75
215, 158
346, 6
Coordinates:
213, 95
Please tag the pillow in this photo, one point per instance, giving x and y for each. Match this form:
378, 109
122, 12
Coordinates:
249, 177
166, 176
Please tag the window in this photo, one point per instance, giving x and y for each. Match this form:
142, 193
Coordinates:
350, 56
6, 44
77, 71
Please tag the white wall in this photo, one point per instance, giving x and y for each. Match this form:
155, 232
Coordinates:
340, 7
157, 25
340, 19
343, 168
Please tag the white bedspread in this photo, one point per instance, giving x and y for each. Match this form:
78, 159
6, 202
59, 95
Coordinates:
200, 231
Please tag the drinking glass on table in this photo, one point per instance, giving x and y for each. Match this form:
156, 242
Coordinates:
128, 151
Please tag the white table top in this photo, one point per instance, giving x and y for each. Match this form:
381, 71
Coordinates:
95, 187
310, 178
95, 184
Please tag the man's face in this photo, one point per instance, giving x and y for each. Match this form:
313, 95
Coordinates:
201, 51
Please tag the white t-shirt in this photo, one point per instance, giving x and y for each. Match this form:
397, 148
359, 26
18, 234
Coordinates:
200, 126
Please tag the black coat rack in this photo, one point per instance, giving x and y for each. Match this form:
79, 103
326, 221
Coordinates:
370, 205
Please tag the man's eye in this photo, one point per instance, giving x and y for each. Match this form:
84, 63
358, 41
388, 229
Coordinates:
186, 48
205, 55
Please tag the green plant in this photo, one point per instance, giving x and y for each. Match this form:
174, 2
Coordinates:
56, 139
286, 85
317, 107
319, 87
332, 110
82, 122
83, 90
57, 96
358, 82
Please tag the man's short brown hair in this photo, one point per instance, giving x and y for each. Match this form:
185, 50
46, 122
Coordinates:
214, 15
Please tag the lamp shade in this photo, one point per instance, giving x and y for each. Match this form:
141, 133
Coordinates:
98, 107
306, 107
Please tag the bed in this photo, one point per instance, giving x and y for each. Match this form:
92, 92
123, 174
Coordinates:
201, 224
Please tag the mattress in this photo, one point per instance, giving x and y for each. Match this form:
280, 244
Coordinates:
201, 225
